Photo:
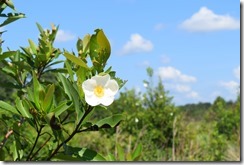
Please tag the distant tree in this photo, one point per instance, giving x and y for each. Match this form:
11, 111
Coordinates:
149, 118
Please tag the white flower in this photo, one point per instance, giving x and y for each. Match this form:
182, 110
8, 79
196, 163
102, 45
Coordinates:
100, 90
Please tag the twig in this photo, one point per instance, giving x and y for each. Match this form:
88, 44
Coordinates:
40, 147
37, 137
9, 133
72, 134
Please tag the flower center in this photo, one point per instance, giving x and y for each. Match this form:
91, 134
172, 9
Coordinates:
99, 91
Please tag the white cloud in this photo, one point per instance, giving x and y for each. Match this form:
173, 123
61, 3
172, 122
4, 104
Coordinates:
165, 59
137, 44
159, 26
236, 72
207, 20
145, 63
193, 95
182, 88
171, 73
63, 36
231, 86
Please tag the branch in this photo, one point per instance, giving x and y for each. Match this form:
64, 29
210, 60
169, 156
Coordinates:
73, 133
37, 137
41, 147
9, 133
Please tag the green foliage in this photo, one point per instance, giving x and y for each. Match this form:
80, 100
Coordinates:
10, 17
49, 108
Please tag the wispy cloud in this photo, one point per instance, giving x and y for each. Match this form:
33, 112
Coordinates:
184, 90
171, 73
193, 95
63, 36
137, 44
159, 26
165, 59
178, 82
231, 86
206, 20
236, 72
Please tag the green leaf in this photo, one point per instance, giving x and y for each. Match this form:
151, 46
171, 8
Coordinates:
110, 157
121, 154
40, 28
137, 153
86, 41
48, 100
7, 107
11, 19
70, 71
54, 63
2, 155
81, 77
61, 108
37, 90
104, 44
75, 60
22, 109
14, 151
2, 6
63, 157
10, 4
72, 92
110, 122
90, 155
80, 154
7, 54
32, 46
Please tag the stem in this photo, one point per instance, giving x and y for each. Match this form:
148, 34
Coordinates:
73, 133
9, 133
37, 137
65, 118
6, 138
41, 147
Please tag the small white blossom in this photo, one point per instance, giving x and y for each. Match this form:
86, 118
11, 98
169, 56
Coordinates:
136, 120
100, 90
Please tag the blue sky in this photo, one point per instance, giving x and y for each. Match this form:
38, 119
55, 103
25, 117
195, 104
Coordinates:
192, 45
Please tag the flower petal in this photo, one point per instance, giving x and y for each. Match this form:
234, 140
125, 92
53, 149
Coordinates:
101, 80
109, 86
112, 87
106, 101
92, 100
89, 85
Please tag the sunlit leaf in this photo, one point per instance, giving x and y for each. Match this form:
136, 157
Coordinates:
90, 155
110, 122
104, 45
86, 41
12, 19
32, 46
22, 109
61, 108
75, 60
7, 54
7, 107
137, 153
48, 100
121, 154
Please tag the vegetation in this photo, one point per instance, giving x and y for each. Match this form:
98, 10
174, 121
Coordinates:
44, 114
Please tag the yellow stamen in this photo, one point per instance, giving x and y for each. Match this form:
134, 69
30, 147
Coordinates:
99, 91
